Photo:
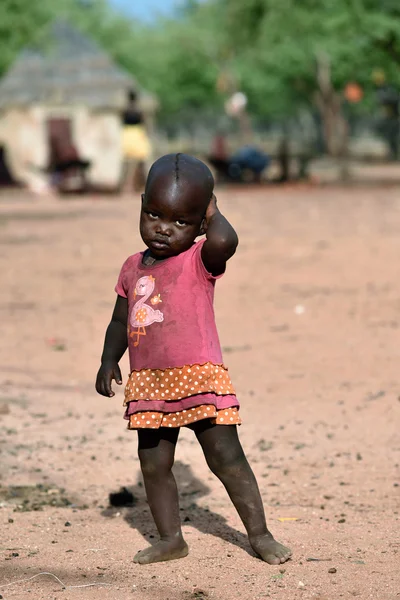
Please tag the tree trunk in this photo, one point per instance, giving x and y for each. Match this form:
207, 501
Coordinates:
335, 126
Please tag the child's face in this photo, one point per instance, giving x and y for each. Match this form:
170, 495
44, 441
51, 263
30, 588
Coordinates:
170, 221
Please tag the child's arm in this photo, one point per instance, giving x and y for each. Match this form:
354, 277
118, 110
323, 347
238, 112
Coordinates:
221, 242
115, 344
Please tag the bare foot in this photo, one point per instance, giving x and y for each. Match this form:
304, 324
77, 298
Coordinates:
270, 550
163, 550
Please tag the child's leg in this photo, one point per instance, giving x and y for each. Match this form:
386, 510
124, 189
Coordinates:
226, 459
156, 454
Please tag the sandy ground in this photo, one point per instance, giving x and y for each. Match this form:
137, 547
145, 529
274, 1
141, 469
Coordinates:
309, 317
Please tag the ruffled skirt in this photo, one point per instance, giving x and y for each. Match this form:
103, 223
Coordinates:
178, 397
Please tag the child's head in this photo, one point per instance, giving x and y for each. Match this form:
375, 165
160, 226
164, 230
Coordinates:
178, 190
132, 96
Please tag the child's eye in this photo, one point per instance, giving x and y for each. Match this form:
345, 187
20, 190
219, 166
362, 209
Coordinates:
152, 215
181, 223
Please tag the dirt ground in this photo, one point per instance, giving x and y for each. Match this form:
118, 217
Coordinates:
309, 318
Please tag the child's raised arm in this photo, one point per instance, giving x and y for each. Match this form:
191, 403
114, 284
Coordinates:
221, 242
115, 344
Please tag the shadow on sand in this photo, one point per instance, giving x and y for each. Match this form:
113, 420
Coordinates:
138, 516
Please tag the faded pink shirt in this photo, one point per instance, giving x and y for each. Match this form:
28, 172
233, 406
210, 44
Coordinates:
171, 322
176, 311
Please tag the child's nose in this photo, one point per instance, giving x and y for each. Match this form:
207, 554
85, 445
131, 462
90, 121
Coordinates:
164, 229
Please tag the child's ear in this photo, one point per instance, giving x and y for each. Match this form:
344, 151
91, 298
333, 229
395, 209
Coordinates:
203, 227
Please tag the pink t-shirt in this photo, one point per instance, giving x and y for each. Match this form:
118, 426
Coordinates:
171, 319
171, 325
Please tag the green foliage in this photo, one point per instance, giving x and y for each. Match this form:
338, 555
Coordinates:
268, 47
20, 22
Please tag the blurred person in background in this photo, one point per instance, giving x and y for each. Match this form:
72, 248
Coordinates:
247, 164
248, 160
136, 146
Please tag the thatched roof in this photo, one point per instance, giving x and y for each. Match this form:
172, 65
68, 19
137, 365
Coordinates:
69, 69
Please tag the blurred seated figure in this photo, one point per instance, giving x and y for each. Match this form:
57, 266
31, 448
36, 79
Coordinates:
247, 164
248, 160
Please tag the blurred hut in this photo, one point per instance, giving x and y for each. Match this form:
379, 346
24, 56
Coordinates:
67, 94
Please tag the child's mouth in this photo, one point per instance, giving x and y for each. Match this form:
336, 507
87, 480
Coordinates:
159, 245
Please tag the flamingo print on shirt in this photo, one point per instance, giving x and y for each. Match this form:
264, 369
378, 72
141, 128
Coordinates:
143, 315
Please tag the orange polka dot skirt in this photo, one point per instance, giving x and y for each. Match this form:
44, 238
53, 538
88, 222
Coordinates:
178, 383
154, 420
181, 396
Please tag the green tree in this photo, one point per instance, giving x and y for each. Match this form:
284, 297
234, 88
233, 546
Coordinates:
20, 22
270, 49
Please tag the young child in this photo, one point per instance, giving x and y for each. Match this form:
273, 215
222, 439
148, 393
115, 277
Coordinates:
164, 316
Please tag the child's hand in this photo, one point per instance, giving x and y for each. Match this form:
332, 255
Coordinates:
210, 212
108, 371
221, 240
211, 209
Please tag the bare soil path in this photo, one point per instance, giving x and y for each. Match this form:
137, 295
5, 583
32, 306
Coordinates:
309, 318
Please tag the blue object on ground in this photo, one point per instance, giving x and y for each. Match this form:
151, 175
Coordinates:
250, 158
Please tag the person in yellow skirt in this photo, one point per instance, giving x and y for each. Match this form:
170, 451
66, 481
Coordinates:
136, 147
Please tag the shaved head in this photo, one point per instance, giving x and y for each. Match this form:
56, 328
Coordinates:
178, 191
182, 177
